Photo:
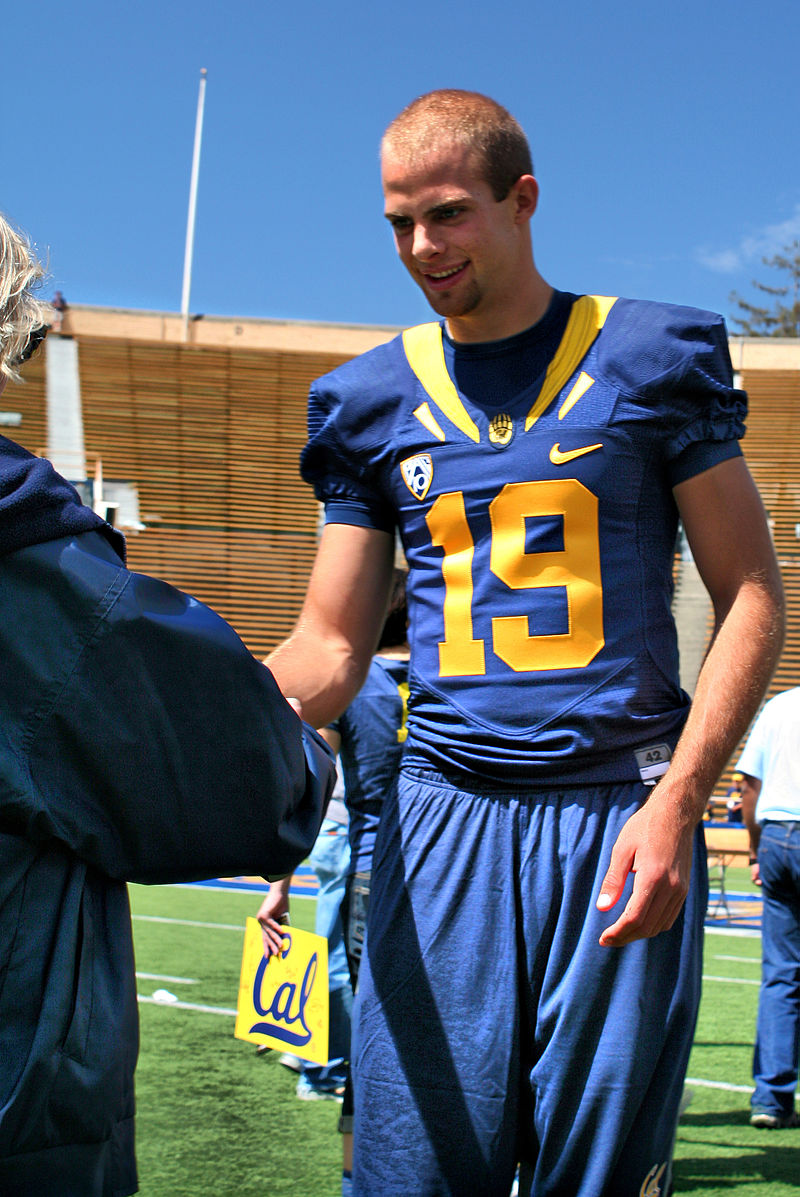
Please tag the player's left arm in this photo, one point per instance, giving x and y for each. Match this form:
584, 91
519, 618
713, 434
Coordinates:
727, 530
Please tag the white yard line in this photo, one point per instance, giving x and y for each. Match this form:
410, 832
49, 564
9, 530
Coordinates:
228, 1012
698, 1082
164, 977
731, 980
740, 932
702, 1084
156, 918
186, 1006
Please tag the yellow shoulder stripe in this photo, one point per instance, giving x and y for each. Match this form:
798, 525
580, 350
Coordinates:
576, 392
423, 348
587, 317
426, 417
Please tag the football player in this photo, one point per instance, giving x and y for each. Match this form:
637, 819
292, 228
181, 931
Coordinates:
531, 976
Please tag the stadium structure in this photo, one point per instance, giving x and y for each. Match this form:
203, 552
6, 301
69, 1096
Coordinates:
188, 440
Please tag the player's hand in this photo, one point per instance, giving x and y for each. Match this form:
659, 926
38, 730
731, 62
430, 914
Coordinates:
755, 873
657, 848
273, 915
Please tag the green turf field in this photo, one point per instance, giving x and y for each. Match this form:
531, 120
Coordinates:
215, 1118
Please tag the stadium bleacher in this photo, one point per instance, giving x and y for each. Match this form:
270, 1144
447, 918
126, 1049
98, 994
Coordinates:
209, 435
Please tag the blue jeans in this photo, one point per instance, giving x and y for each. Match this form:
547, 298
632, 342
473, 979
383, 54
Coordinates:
775, 1060
330, 860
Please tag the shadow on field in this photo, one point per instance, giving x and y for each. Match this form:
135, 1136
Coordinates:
745, 1157
713, 1043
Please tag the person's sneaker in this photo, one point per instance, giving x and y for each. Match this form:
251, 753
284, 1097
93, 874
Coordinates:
291, 1062
774, 1121
308, 1092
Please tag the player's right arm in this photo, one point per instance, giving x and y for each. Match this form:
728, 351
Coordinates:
325, 660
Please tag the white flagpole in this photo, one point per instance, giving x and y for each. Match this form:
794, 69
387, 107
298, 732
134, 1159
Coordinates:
187, 261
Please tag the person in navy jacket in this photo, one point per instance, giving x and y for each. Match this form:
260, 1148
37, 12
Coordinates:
139, 741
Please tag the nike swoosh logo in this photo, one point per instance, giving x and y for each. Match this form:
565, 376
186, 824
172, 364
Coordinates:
561, 458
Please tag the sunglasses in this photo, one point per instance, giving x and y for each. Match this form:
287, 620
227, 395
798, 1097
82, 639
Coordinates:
34, 341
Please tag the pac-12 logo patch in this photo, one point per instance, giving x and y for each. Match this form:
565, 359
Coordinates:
418, 474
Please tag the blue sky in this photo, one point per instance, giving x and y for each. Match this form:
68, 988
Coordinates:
664, 138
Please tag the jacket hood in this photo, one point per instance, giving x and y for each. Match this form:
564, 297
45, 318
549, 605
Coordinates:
37, 504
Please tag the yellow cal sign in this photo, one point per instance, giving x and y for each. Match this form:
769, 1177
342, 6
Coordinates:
283, 1000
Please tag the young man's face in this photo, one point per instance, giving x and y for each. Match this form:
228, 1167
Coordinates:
466, 250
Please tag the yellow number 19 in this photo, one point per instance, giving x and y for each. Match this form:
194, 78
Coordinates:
576, 568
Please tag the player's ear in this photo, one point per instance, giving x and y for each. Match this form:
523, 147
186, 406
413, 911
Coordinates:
525, 194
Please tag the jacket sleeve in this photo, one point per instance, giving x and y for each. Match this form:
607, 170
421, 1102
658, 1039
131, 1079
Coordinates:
142, 734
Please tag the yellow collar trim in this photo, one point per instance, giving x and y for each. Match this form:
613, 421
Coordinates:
425, 352
588, 315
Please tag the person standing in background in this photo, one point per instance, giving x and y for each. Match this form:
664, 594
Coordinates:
770, 765
369, 738
330, 860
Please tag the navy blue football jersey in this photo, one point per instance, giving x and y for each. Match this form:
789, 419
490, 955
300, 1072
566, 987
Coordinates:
540, 536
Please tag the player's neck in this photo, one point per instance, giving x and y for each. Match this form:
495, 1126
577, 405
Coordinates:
524, 310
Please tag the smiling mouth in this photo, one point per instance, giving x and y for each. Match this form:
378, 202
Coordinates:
443, 278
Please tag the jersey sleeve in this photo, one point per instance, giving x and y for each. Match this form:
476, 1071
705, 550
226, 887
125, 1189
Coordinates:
339, 483
701, 456
676, 361
350, 421
711, 411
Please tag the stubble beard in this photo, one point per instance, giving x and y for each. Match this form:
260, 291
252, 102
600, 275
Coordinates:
455, 306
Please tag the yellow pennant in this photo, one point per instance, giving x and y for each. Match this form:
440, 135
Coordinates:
283, 1000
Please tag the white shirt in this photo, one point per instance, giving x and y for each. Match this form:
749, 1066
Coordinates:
772, 754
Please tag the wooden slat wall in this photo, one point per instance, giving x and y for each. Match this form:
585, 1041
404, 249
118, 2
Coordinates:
772, 449
29, 398
211, 438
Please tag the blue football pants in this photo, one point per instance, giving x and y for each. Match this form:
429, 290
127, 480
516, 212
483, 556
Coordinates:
491, 1027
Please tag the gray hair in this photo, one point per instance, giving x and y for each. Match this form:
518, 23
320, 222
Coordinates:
21, 312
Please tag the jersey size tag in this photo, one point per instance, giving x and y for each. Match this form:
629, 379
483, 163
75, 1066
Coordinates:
653, 762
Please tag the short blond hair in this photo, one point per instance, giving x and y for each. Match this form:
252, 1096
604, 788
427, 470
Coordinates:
21, 311
468, 119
